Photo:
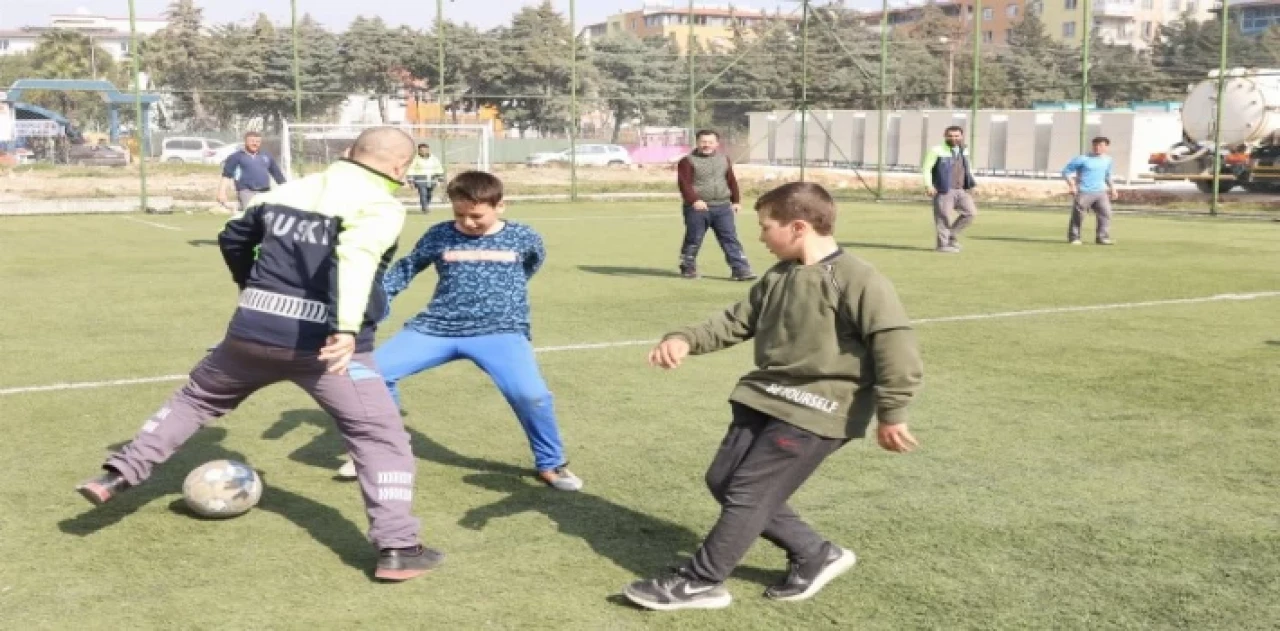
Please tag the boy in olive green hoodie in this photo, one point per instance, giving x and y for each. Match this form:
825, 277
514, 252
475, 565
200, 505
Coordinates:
834, 350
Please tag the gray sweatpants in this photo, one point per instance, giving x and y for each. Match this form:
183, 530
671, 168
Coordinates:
367, 419
245, 197
961, 202
1100, 204
761, 463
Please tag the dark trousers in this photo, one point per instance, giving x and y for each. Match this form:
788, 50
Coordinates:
367, 419
426, 186
761, 463
718, 219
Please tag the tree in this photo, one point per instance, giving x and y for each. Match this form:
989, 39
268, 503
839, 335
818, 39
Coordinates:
63, 54
635, 78
1037, 67
539, 46
183, 59
370, 54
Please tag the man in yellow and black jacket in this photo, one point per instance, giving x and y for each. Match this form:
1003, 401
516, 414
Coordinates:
949, 179
308, 258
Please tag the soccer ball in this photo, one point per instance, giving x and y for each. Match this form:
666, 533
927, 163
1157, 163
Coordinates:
222, 488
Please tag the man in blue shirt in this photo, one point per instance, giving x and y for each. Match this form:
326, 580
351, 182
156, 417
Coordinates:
249, 170
1089, 180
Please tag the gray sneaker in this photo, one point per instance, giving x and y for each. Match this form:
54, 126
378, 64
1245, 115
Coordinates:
805, 581
561, 478
677, 590
948, 249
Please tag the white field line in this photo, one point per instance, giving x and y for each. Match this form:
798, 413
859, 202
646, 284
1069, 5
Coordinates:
151, 223
82, 385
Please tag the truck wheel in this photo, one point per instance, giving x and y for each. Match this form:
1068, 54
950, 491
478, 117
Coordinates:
1206, 186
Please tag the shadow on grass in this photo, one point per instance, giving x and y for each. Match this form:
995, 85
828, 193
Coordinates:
200, 243
610, 270
884, 246
1273, 342
326, 450
1020, 239
324, 523
632, 540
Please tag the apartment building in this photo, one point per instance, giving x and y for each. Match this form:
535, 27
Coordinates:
711, 24
995, 18
109, 33
1122, 22
1253, 17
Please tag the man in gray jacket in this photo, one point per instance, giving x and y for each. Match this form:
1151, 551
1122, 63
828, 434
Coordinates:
711, 199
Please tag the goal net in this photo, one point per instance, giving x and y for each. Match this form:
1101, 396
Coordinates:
307, 148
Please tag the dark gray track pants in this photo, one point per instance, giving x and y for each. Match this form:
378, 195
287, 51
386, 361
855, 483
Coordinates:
959, 201
1100, 204
367, 419
761, 463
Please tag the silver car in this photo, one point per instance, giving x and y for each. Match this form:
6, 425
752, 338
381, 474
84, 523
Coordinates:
586, 155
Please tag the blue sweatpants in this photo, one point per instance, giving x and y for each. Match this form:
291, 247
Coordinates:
509, 361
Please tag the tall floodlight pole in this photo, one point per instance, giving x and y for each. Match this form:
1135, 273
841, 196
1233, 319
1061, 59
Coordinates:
884, 89
977, 65
1084, 75
1217, 126
693, 88
804, 87
136, 53
573, 102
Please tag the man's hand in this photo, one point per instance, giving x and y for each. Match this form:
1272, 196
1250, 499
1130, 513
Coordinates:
1071, 189
896, 438
221, 197
1114, 194
337, 351
669, 353
933, 192
737, 207
699, 205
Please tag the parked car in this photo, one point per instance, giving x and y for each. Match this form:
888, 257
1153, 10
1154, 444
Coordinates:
97, 155
191, 150
587, 155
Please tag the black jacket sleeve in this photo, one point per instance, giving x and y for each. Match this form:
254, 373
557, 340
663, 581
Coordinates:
239, 241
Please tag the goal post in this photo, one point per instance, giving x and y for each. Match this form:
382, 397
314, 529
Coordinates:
308, 147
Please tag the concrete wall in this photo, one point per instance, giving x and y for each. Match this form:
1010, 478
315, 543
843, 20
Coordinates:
1008, 142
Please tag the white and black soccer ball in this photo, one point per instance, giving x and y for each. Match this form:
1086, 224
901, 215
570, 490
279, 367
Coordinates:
222, 488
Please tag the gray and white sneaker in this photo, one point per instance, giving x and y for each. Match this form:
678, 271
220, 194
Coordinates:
561, 478
677, 590
805, 581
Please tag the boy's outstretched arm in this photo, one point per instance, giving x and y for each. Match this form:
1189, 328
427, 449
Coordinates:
401, 273
735, 325
899, 371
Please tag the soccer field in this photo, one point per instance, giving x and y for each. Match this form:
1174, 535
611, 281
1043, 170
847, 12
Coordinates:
1116, 465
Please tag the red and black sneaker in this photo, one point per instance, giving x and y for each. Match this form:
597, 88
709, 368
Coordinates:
402, 564
103, 488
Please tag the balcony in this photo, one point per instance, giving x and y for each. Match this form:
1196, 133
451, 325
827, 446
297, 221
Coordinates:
1115, 8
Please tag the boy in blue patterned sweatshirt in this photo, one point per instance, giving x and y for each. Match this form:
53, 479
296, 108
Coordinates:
480, 312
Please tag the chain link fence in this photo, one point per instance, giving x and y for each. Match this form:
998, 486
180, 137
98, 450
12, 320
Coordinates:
566, 110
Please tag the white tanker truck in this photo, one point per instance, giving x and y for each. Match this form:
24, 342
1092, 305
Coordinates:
1250, 134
